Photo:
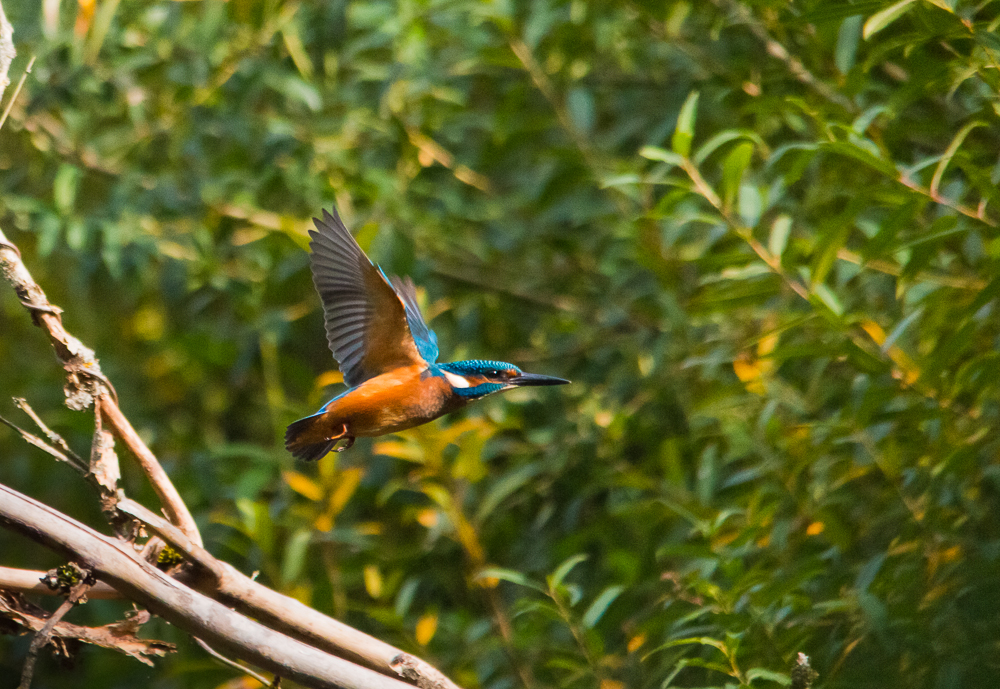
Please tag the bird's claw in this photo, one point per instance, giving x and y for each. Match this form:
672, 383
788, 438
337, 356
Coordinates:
348, 441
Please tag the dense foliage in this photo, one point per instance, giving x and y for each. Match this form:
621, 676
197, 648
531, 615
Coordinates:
760, 237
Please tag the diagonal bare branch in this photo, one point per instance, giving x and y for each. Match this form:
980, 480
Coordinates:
116, 563
43, 635
233, 588
117, 636
86, 384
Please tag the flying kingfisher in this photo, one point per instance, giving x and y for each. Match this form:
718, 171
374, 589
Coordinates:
386, 352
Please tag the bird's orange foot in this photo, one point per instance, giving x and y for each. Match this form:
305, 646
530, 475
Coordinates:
348, 439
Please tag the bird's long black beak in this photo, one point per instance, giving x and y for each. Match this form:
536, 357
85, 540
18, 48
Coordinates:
537, 379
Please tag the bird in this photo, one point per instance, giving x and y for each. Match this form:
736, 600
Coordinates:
386, 352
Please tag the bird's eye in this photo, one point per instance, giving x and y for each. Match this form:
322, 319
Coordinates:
493, 373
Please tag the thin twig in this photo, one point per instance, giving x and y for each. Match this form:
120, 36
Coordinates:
120, 636
978, 214
237, 666
542, 82
53, 437
33, 439
881, 266
173, 504
43, 636
17, 91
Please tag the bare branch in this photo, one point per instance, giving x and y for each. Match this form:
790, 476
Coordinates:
230, 586
233, 664
114, 562
85, 382
43, 635
33, 439
53, 437
117, 636
17, 91
30, 581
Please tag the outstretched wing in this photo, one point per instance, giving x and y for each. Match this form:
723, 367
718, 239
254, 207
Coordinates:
369, 325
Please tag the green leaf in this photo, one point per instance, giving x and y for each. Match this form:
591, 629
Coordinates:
832, 242
700, 641
781, 678
781, 228
750, 205
684, 132
828, 298
509, 575
556, 578
900, 328
64, 187
733, 168
952, 149
662, 155
721, 139
987, 39
600, 604
863, 155
880, 20
848, 39
581, 108
507, 485
295, 555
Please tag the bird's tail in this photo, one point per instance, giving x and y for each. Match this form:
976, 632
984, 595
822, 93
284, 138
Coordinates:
300, 440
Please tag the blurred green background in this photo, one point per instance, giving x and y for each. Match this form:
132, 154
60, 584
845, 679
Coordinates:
760, 237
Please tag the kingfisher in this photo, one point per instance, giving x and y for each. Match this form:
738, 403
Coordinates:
386, 352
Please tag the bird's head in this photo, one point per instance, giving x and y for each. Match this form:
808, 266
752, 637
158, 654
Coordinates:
475, 378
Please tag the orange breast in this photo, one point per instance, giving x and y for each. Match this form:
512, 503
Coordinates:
392, 402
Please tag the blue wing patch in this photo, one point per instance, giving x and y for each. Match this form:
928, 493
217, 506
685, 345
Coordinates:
425, 338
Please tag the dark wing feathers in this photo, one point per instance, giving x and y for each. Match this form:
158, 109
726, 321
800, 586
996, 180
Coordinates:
368, 322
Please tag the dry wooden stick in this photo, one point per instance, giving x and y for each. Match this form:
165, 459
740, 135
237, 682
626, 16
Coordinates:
230, 586
86, 384
116, 563
43, 635
30, 581
118, 636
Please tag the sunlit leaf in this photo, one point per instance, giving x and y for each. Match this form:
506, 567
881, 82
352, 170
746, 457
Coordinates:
880, 20
373, 581
303, 485
600, 605
556, 578
426, 626
684, 132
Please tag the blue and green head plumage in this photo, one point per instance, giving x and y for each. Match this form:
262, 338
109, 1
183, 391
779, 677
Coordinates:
481, 377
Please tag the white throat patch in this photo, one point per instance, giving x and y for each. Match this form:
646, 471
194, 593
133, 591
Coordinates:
456, 380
